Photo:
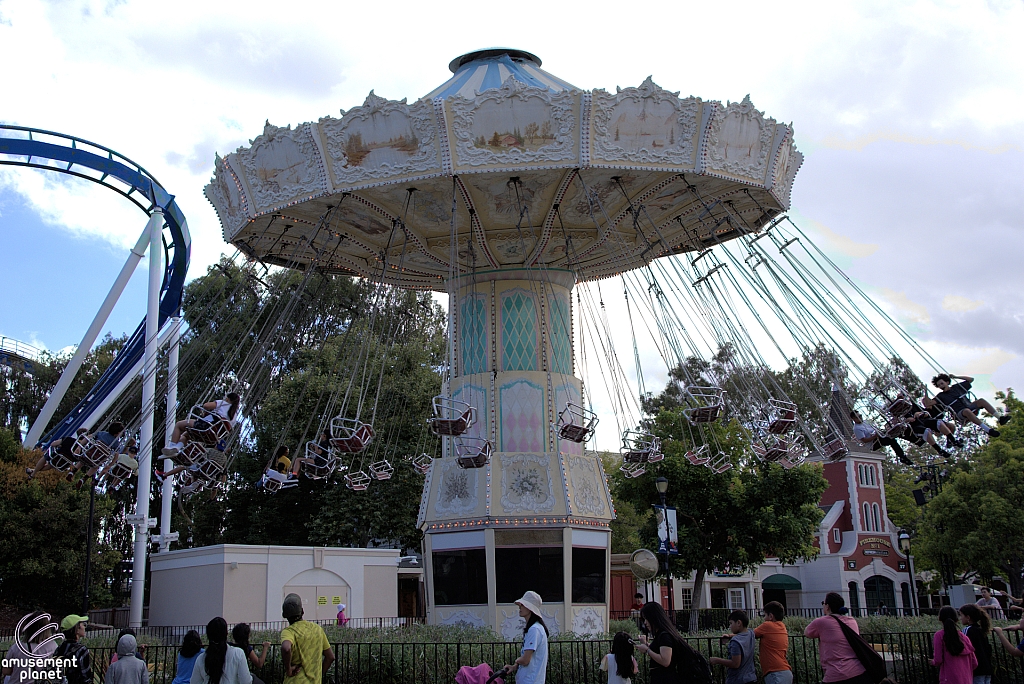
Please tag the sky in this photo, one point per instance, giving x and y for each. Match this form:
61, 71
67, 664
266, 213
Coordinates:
909, 115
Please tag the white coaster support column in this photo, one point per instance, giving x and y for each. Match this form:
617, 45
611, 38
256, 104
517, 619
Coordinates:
167, 492
141, 518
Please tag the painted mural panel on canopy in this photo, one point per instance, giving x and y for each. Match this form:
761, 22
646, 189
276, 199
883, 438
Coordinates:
519, 331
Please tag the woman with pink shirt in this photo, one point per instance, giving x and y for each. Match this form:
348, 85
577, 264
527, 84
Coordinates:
838, 659
954, 652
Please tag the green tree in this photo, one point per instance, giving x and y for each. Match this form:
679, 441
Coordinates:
731, 520
978, 517
43, 526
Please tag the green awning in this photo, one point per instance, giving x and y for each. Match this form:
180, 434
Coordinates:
780, 581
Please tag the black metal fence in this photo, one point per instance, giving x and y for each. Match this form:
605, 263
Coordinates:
570, 662
718, 618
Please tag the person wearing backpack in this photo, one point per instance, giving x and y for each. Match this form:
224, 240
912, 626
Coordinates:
665, 648
977, 627
740, 663
838, 659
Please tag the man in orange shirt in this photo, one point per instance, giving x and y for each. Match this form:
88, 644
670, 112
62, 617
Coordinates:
774, 644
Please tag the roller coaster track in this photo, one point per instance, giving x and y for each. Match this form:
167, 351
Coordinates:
18, 355
49, 151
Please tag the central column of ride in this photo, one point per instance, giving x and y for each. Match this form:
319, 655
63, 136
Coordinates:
536, 516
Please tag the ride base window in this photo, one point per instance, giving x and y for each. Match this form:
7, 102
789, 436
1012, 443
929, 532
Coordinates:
460, 577
519, 569
588, 575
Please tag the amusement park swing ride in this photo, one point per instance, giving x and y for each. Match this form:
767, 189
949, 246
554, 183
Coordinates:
509, 190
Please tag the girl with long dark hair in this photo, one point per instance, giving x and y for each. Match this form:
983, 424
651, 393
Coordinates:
665, 649
977, 626
240, 635
220, 663
954, 652
191, 647
620, 663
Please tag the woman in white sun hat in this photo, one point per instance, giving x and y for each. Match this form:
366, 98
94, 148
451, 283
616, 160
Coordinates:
531, 666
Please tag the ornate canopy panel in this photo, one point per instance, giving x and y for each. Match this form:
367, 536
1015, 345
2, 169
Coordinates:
538, 173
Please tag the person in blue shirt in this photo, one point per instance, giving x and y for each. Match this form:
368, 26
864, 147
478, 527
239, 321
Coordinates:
191, 647
740, 662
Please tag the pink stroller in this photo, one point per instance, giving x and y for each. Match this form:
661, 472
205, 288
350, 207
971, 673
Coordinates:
481, 674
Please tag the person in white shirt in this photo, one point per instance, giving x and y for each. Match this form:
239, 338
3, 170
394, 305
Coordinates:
220, 663
867, 434
223, 410
531, 667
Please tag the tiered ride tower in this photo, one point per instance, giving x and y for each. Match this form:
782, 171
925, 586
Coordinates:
549, 185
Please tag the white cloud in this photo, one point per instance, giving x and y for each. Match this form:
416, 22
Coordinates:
958, 304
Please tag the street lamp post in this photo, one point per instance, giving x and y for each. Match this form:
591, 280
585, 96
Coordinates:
661, 484
905, 548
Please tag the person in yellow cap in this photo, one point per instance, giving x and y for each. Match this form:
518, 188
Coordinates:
78, 669
531, 667
305, 651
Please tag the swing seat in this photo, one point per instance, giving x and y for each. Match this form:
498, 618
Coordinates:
575, 423
60, 461
207, 427
186, 480
421, 463
381, 470
698, 457
91, 451
350, 436
720, 464
708, 404
451, 418
835, 449
357, 481
321, 465
117, 474
208, 468
781, 416
896, 429
640, 447
190, 455
473, 452
899, 407
632, 470
274, 485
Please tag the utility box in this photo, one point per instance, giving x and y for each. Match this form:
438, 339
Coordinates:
962, 594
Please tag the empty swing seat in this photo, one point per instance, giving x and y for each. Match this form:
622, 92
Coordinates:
720, 464
632, 470
707, 404
782, 416
381, 470
698, 457
473, 452
575, 423
357, 481
640, 447
421, 463
835, 449
350, 436
896, 429
451, 418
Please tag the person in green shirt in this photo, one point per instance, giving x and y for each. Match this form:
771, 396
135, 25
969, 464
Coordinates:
305, 651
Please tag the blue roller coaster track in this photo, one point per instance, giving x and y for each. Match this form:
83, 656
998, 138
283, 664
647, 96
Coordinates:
49, 151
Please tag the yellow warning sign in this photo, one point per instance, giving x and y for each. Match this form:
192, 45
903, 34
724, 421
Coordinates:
321, 600
336, 600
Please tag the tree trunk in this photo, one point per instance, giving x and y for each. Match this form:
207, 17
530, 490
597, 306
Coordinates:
698, 593
1013, 578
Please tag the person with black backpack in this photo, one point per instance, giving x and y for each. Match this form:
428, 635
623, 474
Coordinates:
672, 659
840, 661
